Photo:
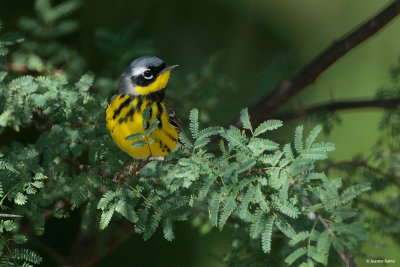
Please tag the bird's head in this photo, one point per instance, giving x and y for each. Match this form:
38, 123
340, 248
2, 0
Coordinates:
145, 75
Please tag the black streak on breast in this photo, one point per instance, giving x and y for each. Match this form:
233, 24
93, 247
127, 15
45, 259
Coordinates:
123, 105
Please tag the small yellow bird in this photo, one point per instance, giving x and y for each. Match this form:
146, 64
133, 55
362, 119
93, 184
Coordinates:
142, 85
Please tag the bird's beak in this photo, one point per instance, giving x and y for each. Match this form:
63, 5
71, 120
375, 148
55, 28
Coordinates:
169, 67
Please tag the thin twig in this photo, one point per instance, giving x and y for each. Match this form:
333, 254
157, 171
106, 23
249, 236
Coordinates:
344, 255
10, 215
336, 106
85, 124
133, 168
263, 109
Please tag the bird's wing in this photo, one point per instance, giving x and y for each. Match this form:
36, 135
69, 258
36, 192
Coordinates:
173, 119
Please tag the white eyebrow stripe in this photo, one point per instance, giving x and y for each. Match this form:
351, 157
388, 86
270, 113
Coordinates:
138, 70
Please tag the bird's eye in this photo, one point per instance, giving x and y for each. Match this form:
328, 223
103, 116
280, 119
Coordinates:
147, 75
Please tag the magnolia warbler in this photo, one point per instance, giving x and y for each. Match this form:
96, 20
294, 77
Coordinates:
142, 85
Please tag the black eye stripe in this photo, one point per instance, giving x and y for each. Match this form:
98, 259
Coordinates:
141, 78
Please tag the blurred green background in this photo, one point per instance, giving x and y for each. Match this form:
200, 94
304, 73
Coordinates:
262, 43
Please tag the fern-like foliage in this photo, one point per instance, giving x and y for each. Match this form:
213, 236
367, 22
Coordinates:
269, 190
250, 184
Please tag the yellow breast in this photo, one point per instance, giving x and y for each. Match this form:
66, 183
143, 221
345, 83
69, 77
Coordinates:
124, 118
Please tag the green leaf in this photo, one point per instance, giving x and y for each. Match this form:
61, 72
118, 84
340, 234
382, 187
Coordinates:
260, 199
228, 208
298, 238
210, 131
267, 126
152, 226
246, 201
313, 135
85, 82
286, 208
127, 211
3, 50
3, 75
151, 140
39, 176
324, 243
27, 256
206, 186
298, 139
214, 208
201, 142
106, 199
259, 145
316, 255
267, 235
344, 212
145, 117
285, 227
20, 199
245, 118
318, 151
167, 230
295, 255
185, 141
353, 191
257, 224
7, 225
246, 165
138, 143
194, 123
287, 150
152, 127
134, 136
309, 263
234, 137
354, 230
106, 216
19, 239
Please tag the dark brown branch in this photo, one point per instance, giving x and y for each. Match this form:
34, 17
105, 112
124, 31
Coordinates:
337, 106
263, 109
